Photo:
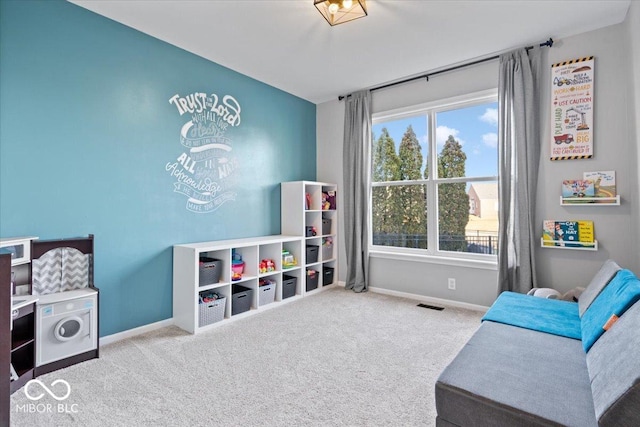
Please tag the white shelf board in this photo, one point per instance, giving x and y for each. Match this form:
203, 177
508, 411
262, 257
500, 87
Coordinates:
585, 246
590, 201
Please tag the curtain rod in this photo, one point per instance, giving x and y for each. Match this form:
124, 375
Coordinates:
446, 70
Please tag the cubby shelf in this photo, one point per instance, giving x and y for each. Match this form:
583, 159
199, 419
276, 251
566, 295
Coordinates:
295, 217
186, 288
302, 207
590, 201
561, 244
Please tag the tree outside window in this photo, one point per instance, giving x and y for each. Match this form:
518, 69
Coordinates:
446, 157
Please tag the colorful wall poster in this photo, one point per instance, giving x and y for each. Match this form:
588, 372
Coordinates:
572, 109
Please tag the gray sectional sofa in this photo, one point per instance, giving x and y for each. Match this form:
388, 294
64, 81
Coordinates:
509, 375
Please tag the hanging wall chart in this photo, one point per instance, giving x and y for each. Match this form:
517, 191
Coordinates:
572, 109
203, 171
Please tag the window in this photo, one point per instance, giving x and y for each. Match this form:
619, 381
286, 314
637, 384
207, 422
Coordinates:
434, 176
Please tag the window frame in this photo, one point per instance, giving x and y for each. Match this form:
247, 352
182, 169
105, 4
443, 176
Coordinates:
432, 253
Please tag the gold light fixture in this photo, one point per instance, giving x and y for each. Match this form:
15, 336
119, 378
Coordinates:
341, 11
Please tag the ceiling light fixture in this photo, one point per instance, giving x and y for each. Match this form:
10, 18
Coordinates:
341, 11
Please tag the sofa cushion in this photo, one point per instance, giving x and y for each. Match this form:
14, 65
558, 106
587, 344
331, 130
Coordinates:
507, 376
614, 368
620, 294
599, 281
539, 314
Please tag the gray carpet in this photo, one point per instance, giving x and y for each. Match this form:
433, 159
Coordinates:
333, 359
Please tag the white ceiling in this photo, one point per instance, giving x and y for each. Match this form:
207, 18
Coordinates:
289, 45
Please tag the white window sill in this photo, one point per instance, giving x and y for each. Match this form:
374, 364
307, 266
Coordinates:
489, 264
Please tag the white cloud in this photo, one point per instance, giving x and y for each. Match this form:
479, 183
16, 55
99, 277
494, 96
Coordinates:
490, 116
443, 132
490, 139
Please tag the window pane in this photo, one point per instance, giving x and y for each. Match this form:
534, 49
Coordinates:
467, 141
399, 216
399, 149
468, 217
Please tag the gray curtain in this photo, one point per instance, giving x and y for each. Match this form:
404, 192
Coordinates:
518, 155
356, 174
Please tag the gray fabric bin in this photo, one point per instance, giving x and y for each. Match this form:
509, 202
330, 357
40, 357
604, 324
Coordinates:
312, 253
241, 299
288, 286
209, 271
326, 226
266, 293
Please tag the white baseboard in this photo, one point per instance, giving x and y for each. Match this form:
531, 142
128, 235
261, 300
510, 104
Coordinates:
430, 300
109, 339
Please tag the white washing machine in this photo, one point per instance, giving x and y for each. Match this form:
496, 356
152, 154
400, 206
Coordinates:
67, 324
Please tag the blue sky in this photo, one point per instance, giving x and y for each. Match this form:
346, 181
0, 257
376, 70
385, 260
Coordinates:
476, 128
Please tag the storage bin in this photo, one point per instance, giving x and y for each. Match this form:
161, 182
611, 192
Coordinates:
327, 276
266, 292
312, 280
288, 286
309, 231
209, 271
212, 312
327, 250
312, 254
326, 226
240, 299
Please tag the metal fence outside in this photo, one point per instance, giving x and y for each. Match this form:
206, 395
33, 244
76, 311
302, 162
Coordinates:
457, 243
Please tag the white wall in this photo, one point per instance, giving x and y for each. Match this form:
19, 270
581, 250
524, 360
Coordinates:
562, 269
329, 130
565, 269
632, 24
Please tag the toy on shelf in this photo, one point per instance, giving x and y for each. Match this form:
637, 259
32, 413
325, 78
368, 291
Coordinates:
310, 231
288, 260
210, 296
328, 200
307, 201
265, 282
325, 202
267, 266
237, 266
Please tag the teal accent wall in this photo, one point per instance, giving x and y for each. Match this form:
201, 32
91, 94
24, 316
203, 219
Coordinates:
86, 133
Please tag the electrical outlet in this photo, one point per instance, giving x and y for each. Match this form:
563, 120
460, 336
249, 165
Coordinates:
452, 284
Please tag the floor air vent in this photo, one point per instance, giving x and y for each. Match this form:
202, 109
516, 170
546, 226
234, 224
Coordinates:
432, 307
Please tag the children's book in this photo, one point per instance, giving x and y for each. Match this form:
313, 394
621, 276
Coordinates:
578, 188
571, 234
567, 233
604, 183
585, 231
548, 232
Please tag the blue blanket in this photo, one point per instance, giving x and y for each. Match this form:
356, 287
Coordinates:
621, 293
539, 314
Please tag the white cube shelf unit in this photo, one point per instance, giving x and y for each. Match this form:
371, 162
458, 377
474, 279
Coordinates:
186, 276
305, 214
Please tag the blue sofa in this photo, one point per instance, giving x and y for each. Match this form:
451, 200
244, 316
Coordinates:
541, 362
